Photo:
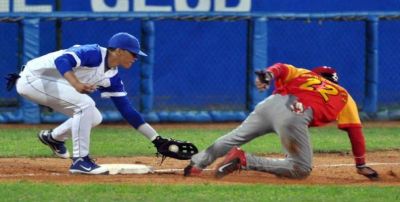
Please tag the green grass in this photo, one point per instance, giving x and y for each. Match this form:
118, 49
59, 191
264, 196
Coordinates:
23, 191
124, 141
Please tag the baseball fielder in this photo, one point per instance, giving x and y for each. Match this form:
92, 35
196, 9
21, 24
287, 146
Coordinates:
61, 80
302, 99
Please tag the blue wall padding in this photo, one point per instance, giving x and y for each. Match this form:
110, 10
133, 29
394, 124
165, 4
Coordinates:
219, 116
111, 116
371, 89
31, 111
12, 116
147, 66
201, 116
309, 44
218, 77
382, 115
200, 66
190, 116
162, 116
258, 58
9, 49
151, 117
389, 60
53, 118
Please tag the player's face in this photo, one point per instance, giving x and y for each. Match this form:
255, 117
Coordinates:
127, 59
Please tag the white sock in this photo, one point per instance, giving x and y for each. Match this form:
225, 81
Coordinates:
63, 131
148, 131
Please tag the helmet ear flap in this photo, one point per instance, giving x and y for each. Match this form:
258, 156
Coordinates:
327, 72
335, 78
331, 77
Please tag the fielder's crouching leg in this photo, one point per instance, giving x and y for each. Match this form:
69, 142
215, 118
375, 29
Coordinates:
97, 117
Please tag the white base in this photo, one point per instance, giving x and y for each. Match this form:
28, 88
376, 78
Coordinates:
128, 168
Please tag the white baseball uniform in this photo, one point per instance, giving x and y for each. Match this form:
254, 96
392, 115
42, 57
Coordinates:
42, 82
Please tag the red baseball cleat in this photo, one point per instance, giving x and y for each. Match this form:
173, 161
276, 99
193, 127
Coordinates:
233, 161
191, 171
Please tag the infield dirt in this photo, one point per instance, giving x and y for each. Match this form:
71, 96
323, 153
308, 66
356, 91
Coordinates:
329, 169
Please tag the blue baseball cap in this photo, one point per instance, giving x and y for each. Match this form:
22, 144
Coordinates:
127, 42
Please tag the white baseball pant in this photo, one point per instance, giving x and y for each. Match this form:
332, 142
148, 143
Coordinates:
62, 97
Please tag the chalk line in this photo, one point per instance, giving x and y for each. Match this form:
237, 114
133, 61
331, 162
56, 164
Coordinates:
352, 164
178, 170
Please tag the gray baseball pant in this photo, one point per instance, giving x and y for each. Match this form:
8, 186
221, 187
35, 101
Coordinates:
273, 114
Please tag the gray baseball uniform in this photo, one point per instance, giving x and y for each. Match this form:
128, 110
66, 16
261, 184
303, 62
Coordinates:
274, 114
302, 99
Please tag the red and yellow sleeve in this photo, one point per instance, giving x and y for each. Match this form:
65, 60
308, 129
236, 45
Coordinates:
357, 141
348, 117
285, 72
349, 121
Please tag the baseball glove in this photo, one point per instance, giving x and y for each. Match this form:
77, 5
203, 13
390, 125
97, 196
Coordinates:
367, 172
176, 149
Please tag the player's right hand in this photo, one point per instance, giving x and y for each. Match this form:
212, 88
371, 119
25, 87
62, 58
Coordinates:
84, 88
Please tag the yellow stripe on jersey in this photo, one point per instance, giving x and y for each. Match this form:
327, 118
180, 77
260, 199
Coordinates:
294, 72
349, 115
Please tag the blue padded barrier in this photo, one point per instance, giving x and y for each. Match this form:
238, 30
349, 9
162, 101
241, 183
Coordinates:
258, 58
146, 74
30, 110
13, 117
372, 23
371, 90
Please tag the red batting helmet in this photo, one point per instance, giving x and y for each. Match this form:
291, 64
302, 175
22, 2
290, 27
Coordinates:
327, 72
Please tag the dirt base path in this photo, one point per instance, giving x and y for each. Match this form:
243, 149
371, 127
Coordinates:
329, 169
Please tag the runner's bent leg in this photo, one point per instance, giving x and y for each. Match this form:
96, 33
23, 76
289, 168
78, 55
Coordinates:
256, 124
294, 136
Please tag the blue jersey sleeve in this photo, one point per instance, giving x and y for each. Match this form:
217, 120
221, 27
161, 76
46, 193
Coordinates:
65, 63
85, 55
116, 88
127, 111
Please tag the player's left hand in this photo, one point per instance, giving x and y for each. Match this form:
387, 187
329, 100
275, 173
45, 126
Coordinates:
84, 88
367, 172
176, 149
263, 79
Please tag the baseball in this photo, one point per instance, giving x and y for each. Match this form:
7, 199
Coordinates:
173, 148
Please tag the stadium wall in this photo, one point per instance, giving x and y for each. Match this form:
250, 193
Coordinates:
215, 85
